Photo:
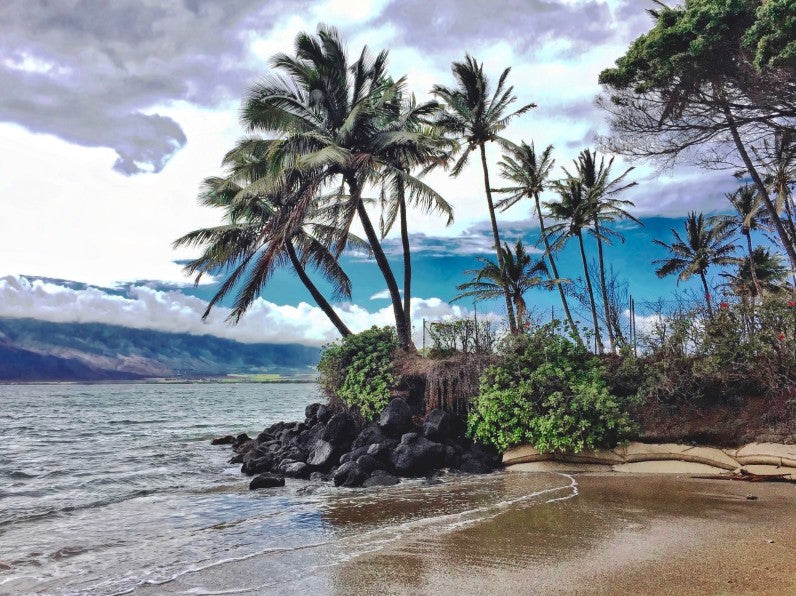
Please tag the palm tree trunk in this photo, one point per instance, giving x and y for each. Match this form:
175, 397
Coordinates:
707, 293
401, 328
322, 303
407, 255
573, 328
787, 242
604, 287
752, 268
496, 236
597, 337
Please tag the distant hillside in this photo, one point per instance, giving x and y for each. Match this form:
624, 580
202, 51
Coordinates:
39, 350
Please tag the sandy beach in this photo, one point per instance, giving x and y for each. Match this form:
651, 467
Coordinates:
540, 533
621, 534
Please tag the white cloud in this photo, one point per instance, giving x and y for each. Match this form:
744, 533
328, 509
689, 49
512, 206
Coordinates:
172, 311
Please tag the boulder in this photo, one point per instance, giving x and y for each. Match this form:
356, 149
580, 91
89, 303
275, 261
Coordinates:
323, 414
311, 411
240, 440
417, 455
245, 447
379, 451
349, 475
226, 440
258, 465
321, 456
441, 426
318, 477
340, 431
367, 464
396, 418
296, 469
380, 480
266, 481
371, 434
353, 454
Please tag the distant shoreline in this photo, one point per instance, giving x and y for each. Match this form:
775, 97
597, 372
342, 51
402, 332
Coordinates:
171, 381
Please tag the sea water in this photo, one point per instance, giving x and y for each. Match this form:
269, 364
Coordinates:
115, 488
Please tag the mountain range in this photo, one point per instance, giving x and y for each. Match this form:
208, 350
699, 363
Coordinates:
35, 350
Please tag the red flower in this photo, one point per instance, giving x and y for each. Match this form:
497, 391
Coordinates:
707, 297
724, 306
791, 304
781, 337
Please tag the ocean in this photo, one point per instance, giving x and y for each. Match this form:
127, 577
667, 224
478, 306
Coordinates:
115, 488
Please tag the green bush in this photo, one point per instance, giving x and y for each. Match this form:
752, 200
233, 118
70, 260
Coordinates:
549, 393
358, 370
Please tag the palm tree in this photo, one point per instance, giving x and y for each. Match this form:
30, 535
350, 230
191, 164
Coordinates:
595, 176
520, 271
475, 115
528, 172
750, 214
780, 176
325, 118
707, 243
573, 211
236, 246
412, 120
771, 275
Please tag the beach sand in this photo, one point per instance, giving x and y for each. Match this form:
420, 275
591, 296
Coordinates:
622, 534
535, 533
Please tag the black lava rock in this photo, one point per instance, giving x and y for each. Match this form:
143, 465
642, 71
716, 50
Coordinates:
380, 480
340, 431
266, 481
321, 456
227, 440
440, 426
396, 418
349, 475
417, 455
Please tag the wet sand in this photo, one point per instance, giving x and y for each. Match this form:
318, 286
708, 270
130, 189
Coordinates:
534, 533
622, 534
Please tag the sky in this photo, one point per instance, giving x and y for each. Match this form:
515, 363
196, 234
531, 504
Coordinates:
111, 114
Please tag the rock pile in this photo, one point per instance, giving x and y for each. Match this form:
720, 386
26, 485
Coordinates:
328, 445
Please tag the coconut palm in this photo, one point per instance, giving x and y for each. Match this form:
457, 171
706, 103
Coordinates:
573, 212
521, 273
595, 176
475, 115
411, 119
706, 243
750, 214
528, 172
324, 117
238, 244
771, 275
780, 176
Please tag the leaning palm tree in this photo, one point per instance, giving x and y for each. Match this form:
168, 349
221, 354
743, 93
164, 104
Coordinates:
475, 115
574, 213
595, 176
706, 243
528, 172
750, 214
771, 275
520, 271
234, 248
421, 145
323, 117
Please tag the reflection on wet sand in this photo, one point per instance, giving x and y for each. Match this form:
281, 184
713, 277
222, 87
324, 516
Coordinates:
595, 542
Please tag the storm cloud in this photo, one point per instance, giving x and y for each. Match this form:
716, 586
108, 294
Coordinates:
94, 72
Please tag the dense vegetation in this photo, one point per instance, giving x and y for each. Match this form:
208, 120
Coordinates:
358, 370
712, 83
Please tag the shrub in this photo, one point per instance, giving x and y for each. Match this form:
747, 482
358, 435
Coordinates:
358, 370
547, 392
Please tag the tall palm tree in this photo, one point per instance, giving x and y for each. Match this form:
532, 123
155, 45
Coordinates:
750, 214
573, 211
475, 115
780, 176
771, 274
706, 243
595, 176
235, 247
412, 120
324, 117
520, 271
528, 173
